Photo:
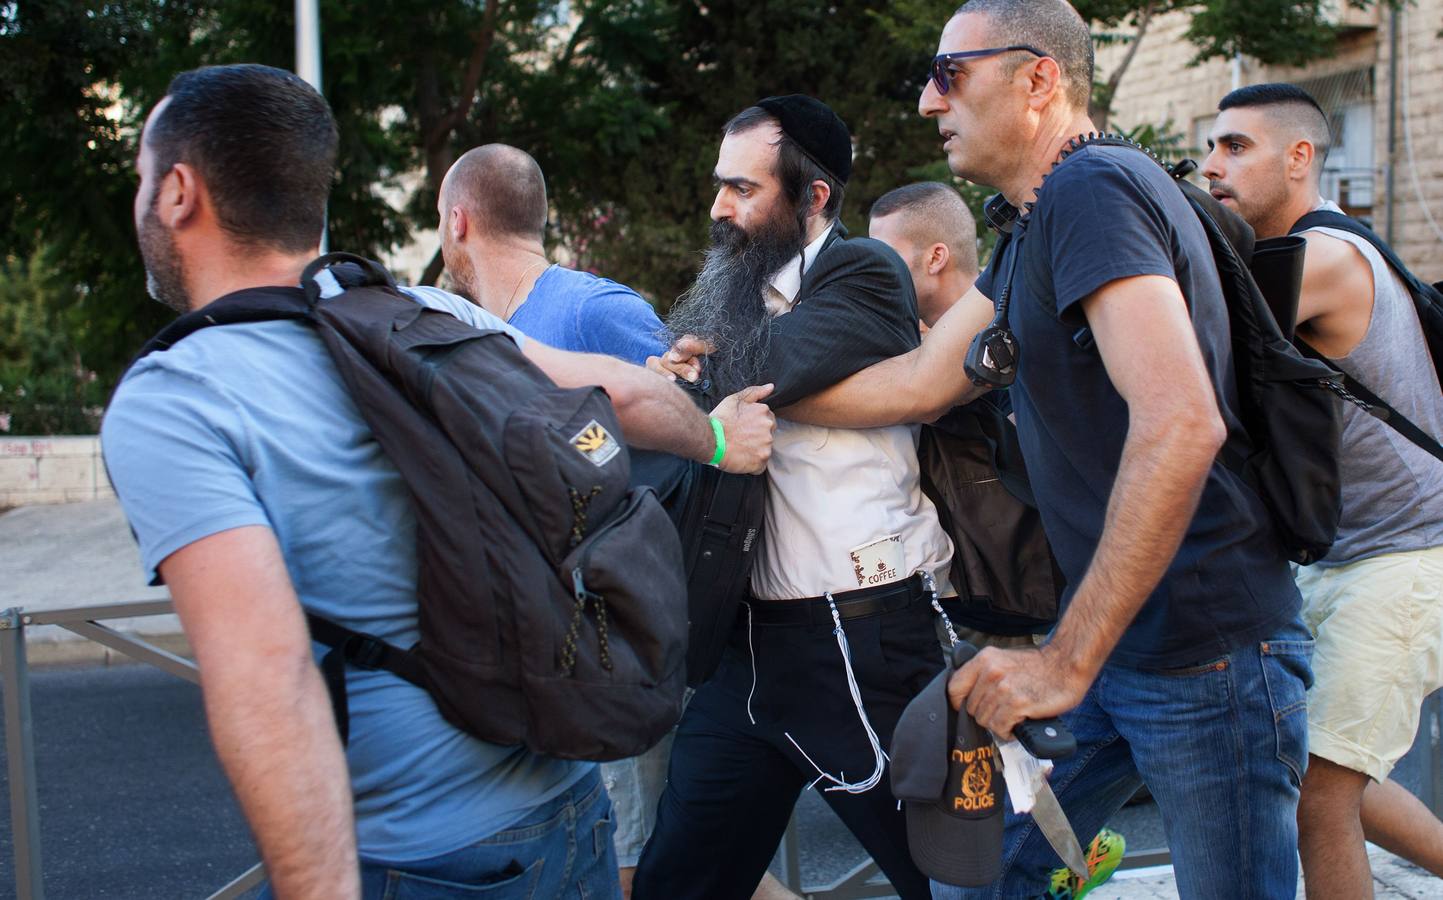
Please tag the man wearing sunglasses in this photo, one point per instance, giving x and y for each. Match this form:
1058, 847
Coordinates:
1179, 658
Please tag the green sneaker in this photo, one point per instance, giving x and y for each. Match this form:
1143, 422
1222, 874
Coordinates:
1104, 855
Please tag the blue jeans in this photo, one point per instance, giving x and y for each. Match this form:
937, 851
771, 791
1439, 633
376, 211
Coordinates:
561, 849
1222, 747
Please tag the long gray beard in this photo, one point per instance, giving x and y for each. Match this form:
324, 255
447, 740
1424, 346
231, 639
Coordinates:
726, 305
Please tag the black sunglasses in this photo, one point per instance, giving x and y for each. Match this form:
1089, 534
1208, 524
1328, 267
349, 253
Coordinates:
942, 63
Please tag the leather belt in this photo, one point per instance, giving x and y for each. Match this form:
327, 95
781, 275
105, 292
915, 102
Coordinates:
850, 604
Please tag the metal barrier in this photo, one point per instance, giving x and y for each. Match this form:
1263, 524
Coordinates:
863, 881
19, 740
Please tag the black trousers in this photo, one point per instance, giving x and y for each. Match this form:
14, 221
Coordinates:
732, 784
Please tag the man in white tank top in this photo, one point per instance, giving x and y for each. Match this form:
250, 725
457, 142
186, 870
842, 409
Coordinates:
1375, 602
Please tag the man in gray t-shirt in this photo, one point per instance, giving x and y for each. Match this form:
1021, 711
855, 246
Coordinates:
1375, 602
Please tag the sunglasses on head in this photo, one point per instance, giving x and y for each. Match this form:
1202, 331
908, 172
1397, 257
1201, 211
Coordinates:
942, 63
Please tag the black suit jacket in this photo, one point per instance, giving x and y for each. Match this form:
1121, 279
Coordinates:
856, 307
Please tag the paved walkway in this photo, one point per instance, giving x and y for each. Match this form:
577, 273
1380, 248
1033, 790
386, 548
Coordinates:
1393, 879
73, 554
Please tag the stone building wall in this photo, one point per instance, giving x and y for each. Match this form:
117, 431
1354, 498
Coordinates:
37, 470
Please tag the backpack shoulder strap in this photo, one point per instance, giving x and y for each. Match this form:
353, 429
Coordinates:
1378, 408
1327, 218
325, 275
250, 305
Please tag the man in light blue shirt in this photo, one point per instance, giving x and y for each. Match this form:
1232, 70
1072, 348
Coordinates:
256, 490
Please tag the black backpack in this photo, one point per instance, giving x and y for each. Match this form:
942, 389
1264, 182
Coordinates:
548, 590
718, 517
1427, 300
1287, 402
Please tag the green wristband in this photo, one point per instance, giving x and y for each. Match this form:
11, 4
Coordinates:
721, 441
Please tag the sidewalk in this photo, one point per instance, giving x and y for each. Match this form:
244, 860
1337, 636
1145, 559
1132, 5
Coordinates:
76, 554
1393, 879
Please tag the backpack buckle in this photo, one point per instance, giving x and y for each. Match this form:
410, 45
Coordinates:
366, 652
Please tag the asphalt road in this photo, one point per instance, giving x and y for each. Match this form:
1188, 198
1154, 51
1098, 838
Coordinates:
133, 803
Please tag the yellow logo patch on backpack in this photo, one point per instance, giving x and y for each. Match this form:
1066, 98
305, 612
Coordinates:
596, 443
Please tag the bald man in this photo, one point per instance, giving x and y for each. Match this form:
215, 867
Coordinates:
493, 223
493, 226
1375, 602
931, 228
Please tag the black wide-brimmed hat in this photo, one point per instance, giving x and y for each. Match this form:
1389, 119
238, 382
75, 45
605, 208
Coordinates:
819, 132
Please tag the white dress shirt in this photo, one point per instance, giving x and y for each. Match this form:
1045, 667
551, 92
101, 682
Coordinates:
846, 509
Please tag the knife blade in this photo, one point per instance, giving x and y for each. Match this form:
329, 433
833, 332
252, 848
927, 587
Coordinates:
1048, 814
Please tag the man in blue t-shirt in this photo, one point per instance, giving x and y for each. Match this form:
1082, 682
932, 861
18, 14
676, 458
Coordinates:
1179, 656
493, 219
493, 224
256, 490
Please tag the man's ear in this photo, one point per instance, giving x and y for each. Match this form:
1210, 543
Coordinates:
818, 193
1044, 81
457, 223
937, 258
179, 196
1300, 159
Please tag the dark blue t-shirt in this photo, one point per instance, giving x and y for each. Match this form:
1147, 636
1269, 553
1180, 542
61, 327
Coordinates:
1104, 214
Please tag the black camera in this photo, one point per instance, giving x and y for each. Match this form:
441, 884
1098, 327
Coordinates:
992, 358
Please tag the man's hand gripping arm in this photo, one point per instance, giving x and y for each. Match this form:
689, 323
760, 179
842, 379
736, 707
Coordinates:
1151, 353
269, 715
656, 415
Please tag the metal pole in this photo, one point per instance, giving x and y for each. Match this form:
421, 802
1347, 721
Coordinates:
244, 882
308, 54
1392, 119
308, 42
20, 756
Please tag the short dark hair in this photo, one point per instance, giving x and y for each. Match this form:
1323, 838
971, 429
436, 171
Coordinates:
1051, 26
264, 141
934, 212
794, 169
1300, 110
503, 188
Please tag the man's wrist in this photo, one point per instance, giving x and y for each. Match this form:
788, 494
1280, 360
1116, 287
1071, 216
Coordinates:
719, 433
1070, 661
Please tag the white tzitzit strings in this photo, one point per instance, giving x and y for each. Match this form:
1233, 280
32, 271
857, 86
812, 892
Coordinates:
879, 756
929, 584
753, 651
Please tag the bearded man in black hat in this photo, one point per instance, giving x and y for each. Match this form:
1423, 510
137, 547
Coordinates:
838, 634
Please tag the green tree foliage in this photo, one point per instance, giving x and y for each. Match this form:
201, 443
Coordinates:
44, 388
637, 201
620, 100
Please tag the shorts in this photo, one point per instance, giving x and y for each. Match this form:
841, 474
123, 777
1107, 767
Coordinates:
635, 786
1379, 629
